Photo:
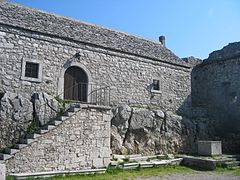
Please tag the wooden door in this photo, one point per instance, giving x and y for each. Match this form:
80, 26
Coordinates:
75, 84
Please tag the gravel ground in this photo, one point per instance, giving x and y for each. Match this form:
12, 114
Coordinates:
197, 176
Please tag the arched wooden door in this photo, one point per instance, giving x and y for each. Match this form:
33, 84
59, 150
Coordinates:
75, 84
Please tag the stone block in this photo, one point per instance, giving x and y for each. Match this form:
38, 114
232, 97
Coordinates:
2, 171
209, 148
98, 162
196, 162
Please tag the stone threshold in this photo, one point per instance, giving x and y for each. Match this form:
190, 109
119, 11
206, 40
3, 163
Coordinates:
56, 173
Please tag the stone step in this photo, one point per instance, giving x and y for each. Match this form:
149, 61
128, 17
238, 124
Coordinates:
113, 163
33, 136
11, 151
27, 141
63, 118
142, 158
232, 163
176, 161
19, 146
116, 156
146, 164
55, 123
5, 156
42, 131
48, 127
134, 155
131, 166
160, 163
76, 109
56, 173
69, 114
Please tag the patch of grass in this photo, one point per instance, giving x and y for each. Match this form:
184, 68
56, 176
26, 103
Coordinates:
224, 169
221, 165
32, 128
165, 157
118, 173
236, 172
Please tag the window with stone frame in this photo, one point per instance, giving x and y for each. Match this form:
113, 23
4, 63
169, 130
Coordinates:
31, 70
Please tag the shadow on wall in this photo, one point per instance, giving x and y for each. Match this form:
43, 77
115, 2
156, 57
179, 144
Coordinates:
215, 87
196, 125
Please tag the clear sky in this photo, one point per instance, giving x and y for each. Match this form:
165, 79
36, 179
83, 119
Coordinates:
191, 27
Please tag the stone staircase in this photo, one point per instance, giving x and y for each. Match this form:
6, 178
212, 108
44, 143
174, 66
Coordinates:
30, 138
211, 163
137, 160
232, 161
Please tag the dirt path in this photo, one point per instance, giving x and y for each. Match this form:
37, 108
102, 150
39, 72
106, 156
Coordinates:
197, 176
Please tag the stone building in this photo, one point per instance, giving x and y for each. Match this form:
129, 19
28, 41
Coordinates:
56, 48
45, 55
50, 62
215, 87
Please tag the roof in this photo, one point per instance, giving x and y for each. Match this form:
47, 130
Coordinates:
35, 20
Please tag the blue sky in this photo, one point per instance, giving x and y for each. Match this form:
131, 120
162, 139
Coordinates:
192, 27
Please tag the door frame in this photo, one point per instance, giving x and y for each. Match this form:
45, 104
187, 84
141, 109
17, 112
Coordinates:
60, 90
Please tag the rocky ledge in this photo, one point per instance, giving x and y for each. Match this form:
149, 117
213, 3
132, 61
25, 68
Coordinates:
146, 131
232, 50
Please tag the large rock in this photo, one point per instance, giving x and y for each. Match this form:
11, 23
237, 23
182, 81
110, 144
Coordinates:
144, 131
16, 114
116, 141
232, 50
45, 107
121, 119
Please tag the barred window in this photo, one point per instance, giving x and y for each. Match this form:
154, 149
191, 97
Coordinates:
31, 70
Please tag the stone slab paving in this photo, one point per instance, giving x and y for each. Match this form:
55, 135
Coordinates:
197, 176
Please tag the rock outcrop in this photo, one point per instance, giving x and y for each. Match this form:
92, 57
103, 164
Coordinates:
16, 114
192, 61
145, 131
45, 107
232, 50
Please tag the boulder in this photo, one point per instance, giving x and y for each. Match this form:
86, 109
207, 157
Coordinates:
116, 141
121, 119
145, 131
16, 114
45, 107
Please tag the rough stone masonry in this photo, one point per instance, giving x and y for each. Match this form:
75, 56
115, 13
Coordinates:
158, 100
80, 142
126, 63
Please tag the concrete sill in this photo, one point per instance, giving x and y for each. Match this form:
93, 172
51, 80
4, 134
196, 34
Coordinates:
156, 92
56, 173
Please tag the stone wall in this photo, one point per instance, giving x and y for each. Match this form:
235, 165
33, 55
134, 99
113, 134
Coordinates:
215, 86
80, 142
126, 63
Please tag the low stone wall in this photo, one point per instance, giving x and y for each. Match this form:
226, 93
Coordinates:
80, 142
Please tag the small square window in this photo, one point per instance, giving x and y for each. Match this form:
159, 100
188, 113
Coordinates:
155, 85
31, 70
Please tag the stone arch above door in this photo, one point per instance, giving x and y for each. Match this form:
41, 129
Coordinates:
60, 92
